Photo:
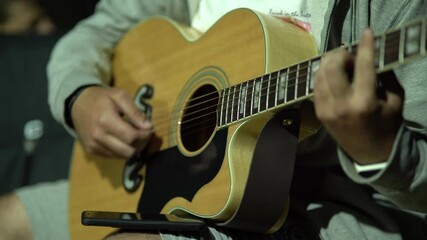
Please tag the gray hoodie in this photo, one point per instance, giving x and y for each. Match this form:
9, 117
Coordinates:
340, 205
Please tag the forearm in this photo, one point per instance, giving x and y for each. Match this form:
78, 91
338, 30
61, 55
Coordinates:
83, 56
68, 71
404, 179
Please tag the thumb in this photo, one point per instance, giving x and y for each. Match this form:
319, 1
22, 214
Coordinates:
126, 106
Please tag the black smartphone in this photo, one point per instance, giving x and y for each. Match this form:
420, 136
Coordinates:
146, 221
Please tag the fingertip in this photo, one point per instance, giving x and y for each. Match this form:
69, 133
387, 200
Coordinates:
367, 32
146, 124
367, 37
138, 120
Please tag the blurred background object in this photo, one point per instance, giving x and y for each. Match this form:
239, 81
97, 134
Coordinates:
33, 147
42, 17
24, 16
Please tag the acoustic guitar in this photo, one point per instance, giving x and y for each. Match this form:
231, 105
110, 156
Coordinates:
228, 108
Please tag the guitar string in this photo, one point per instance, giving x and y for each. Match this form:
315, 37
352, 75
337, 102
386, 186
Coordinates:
350, 48
389, 43
167, 111
236, 96
159, 131
236, 116
263, 103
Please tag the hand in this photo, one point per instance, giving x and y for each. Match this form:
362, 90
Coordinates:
363, 122
108, 123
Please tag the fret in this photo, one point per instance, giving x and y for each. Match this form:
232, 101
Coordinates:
233, 104
349, 48
264, 92
301, 80
401, 56
412, 40
236, 102
286, 85
256, 95
314, 67
297, 80
272, 90
391, 53
282, 86
220, 108
277, 90
254, 103
381, 52
290, 88
307, 78
377, 46
352, 49
224, 107
243, 100
238, 94
249, 97
228, 112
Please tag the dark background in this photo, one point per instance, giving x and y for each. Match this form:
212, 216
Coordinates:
23, 97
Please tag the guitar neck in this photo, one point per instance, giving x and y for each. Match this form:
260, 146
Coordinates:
294, 84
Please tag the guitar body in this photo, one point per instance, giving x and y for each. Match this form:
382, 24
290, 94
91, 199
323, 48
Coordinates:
202, 170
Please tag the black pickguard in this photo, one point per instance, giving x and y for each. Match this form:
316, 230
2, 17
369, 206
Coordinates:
170, 174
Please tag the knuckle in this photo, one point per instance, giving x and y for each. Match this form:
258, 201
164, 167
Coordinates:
318, 79
121, 94
330, 68
132, 136
102, 120
96, 136
91, 147
363, 107
333, 113
328, 116
137, 116
127, 153
320, 115
323, 114
341, 112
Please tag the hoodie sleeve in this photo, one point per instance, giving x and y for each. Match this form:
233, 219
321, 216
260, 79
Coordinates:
83, 55
404, 178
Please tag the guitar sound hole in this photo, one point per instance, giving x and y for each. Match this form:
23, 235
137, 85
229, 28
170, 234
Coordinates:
199, 118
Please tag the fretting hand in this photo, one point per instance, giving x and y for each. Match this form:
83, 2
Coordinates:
363, 122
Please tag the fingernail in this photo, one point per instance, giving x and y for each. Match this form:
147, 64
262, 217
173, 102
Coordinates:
367, 31
146, 124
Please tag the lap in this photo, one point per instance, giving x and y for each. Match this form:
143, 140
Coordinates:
46, 205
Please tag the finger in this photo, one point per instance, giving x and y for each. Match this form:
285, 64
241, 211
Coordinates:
123, 130
365, 76
336, 72
101, 150
322, 96
124, 102
116, 146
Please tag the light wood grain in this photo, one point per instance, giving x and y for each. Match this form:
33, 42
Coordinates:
167, 55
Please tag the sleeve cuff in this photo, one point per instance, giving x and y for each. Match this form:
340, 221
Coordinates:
366, 174
69, 102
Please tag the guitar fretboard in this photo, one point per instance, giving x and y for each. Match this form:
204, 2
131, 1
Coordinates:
295, 83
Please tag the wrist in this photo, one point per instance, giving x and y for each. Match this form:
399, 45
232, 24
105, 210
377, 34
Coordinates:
69, 103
